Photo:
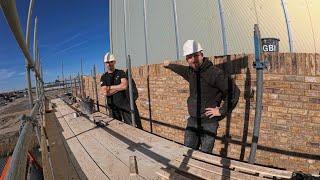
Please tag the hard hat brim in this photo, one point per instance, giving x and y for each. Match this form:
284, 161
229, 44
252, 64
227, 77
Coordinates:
109, 60
192, 53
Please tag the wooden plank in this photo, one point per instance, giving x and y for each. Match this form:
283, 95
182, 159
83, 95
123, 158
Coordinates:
170, 174
63, 166
133, 165
123, 150
167, 148
104, 160
208, 171
85, 128
264, 171
88, 166
47, 173
147, 165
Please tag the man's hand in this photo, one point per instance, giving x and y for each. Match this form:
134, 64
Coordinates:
212, 112
104, 90
166, 63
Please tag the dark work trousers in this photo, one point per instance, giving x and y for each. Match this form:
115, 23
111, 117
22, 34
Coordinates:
125, 115
204, 136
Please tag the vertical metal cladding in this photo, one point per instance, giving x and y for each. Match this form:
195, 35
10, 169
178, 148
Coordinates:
200, 20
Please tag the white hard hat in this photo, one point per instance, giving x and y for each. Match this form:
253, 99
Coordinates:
109, 57
190, 47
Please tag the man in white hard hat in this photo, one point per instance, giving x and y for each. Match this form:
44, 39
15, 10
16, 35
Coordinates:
114, 84
208, 88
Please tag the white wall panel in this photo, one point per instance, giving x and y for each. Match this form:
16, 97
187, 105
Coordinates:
135, 32
240, 19
272, 22
301, 26
201, 22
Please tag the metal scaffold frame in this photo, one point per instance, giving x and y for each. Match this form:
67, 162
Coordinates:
19, 160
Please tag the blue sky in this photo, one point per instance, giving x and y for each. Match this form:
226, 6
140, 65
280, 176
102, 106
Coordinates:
68, 30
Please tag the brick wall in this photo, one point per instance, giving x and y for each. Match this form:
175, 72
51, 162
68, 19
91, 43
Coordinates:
290, 125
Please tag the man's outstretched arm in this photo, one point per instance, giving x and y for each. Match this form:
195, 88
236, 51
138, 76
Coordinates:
177, 68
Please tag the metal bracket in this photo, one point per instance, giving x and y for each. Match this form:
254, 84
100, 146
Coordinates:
24, 119
261, 64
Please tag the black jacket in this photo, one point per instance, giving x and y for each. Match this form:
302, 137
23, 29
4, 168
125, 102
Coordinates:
208, 87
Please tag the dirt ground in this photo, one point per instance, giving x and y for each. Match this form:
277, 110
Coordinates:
9, 123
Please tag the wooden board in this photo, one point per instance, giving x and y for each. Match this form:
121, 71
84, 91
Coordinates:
63, 166
107, 149
241, 166
208, 171
170, 174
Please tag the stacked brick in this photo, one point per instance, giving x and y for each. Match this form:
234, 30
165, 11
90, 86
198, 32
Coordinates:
290, 125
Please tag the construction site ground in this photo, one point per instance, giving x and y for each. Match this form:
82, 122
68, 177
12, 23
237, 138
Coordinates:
79, 149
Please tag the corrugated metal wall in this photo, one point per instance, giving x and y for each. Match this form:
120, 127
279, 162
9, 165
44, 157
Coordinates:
201, 20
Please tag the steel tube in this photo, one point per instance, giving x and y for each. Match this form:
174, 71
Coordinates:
259, 93
286, 16
176, 28
132, 110
28, 77
18, 164
95, 86
223, 29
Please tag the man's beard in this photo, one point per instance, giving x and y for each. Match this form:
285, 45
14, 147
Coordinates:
110, 68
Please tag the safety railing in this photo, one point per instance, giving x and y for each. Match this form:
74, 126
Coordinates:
19, 157
29, 123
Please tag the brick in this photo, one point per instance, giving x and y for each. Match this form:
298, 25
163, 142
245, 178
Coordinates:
301, 63
312, 79
279, 127
284, 97
300, 85
315, 87
293, 78
314, 113
317, 64
312, 105
311, 93
292, 104
310, 65
281, 122
315, 120
283, 116
277, 109
297, 111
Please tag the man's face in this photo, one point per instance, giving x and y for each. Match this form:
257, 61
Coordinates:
111, 65
195, 60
